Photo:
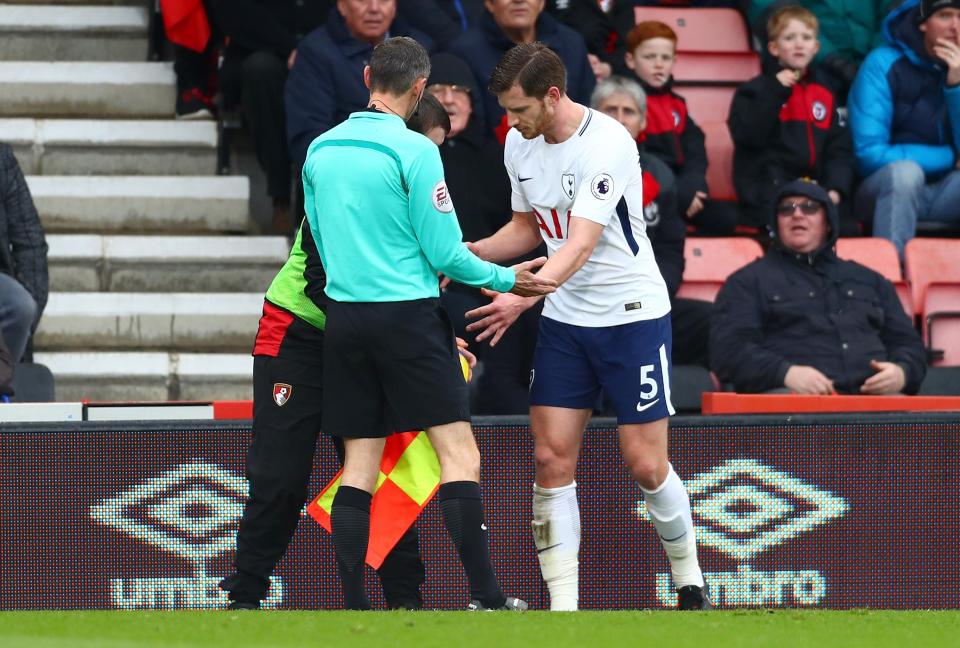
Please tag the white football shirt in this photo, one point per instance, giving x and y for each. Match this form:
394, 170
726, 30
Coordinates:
594, 174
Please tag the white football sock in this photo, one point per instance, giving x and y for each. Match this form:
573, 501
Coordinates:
556, 533
669, 508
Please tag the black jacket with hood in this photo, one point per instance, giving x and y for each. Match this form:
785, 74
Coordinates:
815, 309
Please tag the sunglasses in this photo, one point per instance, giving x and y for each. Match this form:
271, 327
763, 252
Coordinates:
807, 208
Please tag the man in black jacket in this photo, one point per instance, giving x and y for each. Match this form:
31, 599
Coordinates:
23, 258
803, 319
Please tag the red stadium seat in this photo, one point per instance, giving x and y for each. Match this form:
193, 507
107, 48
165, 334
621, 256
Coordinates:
928, 260
880, 255
719, 161
708, 103
941, 323
716, 67
709, 261
702, 30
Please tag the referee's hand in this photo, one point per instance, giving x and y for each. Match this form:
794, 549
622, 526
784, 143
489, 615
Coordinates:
528, 284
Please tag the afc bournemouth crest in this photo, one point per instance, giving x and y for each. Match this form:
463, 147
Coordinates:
281, 393
567, 181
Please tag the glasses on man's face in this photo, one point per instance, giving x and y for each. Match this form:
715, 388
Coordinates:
442, 88
807, 208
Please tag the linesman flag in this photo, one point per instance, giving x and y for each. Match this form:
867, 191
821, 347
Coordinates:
409, 477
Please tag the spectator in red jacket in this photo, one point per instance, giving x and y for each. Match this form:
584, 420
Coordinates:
785, 123
671, 133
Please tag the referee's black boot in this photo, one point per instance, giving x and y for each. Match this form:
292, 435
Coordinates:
691, 597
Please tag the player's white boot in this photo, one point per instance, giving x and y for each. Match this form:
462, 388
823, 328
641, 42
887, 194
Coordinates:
556, 534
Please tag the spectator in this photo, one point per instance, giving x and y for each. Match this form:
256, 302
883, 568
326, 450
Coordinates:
785, 123
6, 372
802, 319
905, 119
442, 20
849, 29
506, 23
262, 39
671, 133
23, 258
326, 83
624, 100
604, 25
475, 176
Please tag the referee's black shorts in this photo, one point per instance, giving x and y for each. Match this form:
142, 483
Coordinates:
390, 367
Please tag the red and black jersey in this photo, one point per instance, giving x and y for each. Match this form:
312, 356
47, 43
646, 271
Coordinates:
781, 134
674, 137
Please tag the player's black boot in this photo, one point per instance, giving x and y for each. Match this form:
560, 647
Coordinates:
243, 605
691, 597
512, 604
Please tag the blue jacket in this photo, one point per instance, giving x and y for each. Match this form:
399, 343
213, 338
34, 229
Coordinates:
483, 45
899, 106
326, 82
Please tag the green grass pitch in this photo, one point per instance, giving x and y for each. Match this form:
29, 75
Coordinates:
213, 629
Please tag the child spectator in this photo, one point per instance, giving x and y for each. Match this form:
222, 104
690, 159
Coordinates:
785, 124
671, 133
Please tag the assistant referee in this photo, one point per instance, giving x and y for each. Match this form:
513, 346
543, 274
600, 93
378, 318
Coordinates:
384, 225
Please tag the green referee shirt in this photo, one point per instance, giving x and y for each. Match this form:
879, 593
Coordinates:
382, 217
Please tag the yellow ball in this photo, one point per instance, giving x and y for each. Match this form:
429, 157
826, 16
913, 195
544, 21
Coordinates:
465, 366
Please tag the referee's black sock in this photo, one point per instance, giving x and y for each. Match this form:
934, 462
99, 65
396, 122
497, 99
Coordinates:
462, 510
350, 523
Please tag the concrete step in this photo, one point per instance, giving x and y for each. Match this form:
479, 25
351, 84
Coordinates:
174, 204
94, 263
73, 33
112, 147
90, 89
145, 321
149, 376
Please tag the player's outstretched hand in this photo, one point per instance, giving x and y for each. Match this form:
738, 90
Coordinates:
528, 284
495, 318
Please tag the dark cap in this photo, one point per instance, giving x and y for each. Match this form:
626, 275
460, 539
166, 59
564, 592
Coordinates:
930, 7
450, 70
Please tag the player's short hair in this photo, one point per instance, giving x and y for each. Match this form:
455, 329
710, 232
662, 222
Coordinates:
780, 18
644, 31
430, 113
396, 64
533, 66
623, 85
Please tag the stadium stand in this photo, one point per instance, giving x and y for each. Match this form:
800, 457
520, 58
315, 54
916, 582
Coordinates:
708, 103
719, 147
143, 272
928, 260
709, 261
931, 266
879, 255
715, 68
702, 30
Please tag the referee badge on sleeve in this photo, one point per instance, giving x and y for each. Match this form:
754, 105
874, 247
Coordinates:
281, 393
441, 198
602, 186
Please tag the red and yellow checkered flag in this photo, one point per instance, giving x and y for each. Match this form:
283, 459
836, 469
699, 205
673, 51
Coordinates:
409, 477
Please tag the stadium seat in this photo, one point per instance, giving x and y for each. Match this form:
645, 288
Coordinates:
702, 29
879, 255
715, 68
708, 103
709, 261
941, 323
941, 381
687, 384
930, 259
719, 161
32, 383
